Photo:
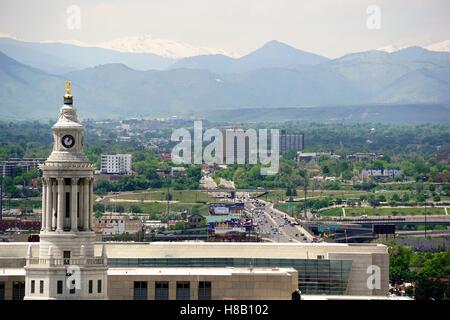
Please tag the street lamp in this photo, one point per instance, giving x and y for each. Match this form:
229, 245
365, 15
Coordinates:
169, 180
1, 197
425, 206
305, 189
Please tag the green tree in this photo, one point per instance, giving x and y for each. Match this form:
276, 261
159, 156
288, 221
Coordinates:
399, 262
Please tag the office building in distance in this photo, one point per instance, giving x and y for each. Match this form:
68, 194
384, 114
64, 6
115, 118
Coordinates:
116, 164
291, 142
25, 164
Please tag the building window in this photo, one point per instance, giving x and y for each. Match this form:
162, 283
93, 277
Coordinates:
18, 290
99, 286
140, 290
91, 286
67, 204
59, 287
72, 287
183, 290
41, 286
204, 290
2, 291
162, 291
32, 286
66, 256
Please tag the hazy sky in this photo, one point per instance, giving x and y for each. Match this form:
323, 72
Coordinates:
328, 27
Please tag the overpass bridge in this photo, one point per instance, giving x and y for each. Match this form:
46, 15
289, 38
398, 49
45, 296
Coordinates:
406, 220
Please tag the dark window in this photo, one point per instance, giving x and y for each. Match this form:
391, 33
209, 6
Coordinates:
32, 286
183, 290
204, 290
59, 287
140, 290
99, 286
18, 290
72, 287
66, 256
161, 291
67, 204
2, 291
41, 286
91, 285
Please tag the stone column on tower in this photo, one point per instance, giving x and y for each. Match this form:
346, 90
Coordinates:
81, 204
86, 219
54, 204
74, 205
44, 205
60, 212
91, 203
48, 207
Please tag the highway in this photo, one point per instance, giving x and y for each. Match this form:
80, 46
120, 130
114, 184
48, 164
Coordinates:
273, 225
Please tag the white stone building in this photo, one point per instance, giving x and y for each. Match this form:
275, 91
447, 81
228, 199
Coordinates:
116, 164
65, 266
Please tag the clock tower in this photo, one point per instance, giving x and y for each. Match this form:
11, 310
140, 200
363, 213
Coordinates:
66, 266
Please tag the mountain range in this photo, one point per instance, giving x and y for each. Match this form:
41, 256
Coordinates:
110, 84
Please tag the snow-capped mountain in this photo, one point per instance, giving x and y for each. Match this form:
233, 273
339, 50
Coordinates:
443, 46
440, 46
71, 42
6, 35
390, 48
162, 47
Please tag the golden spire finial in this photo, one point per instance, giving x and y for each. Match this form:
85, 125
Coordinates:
68, 98
68, 85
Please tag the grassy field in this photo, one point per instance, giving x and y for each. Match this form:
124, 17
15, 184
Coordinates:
184, 196
32, 203
280, 194
161, 208
335, 212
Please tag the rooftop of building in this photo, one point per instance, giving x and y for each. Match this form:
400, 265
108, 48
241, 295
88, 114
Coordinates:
197, 249
217, 271
195, 271
12, 272
212, 219
351, 297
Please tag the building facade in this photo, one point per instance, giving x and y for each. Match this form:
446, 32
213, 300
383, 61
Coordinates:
291, 141
26, 164
117, 224
116, 164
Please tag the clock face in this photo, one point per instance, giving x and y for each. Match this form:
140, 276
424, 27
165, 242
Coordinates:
68, 141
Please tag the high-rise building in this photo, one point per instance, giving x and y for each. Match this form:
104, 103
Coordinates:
26, 164
236, 146
291, 141
116, 164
